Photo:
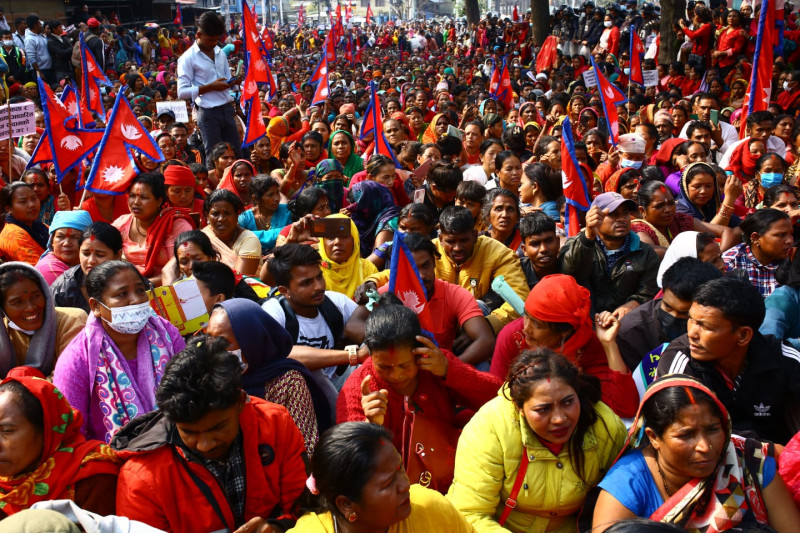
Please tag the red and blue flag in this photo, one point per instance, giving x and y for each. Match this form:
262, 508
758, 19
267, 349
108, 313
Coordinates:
636, 53
760, 89
92, 77
406, 283
610, 97
576, 191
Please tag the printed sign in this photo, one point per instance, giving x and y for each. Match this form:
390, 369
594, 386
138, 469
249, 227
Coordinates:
23, 121
650, 78
590, 78
178, 107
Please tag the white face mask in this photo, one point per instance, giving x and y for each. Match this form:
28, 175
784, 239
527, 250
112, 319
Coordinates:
8, 43
786, 86
608, 23
129, 319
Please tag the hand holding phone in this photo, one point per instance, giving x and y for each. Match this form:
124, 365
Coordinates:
232, 80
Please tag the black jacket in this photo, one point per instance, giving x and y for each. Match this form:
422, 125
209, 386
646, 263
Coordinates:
768, 396
66, 289
61, 52
639, 333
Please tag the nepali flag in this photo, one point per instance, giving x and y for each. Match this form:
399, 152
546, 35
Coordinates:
610, 97
576, 191
255, 127
178, 17
637, 53
68, 142
113, 167
266, 35
330, 46
348, 53
301, 17
373, 123
369, 14
500, 86
760, 90
320, 78
92, 77
515, 15
348, 12
70, 98
406, 283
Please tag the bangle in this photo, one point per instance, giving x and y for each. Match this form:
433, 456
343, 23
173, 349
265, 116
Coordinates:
352, 354
725, 211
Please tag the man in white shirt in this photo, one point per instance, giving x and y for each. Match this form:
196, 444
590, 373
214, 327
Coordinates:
723, 135
203, 71
759, 126
313, 316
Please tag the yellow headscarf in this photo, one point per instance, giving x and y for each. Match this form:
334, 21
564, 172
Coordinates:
429, 136
345, 277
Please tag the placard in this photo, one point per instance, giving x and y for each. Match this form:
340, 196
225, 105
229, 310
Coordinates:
176, 106
590, 78
650, 78
23, 120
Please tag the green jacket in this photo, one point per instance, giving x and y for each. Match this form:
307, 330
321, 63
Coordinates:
633, 277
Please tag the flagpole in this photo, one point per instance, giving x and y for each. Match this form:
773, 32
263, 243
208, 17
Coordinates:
10, 138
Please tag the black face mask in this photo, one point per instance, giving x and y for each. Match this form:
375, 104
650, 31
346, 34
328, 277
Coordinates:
672, 327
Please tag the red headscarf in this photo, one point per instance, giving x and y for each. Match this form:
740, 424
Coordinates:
67, 457
227, 177
743, 163
559, 298
664, 153
157, 235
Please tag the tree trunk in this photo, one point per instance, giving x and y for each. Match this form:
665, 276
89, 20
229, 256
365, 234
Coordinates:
540, 20
671, 12
472, 11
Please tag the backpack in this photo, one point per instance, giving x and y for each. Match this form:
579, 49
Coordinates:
330, 313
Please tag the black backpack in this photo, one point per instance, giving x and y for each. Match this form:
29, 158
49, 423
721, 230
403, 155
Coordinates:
330, 313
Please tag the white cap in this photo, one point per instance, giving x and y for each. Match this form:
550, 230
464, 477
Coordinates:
541, 76
631, 143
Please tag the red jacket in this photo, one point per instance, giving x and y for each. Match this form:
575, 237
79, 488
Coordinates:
702, 40
618, 389
155, 487
732, 41
437, 398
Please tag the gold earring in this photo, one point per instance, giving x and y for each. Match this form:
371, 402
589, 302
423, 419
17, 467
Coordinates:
351, 517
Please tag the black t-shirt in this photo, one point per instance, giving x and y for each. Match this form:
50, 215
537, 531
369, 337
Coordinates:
764, 396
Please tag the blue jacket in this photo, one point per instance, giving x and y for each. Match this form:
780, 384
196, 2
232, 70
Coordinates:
783, 315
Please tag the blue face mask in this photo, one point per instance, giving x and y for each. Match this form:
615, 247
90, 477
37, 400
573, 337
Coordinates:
627, 163
768, 179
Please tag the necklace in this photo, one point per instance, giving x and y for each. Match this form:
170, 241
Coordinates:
139, 230
663, 477
264, 224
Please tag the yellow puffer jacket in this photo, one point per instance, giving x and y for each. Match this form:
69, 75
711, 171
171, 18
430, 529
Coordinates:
488, 458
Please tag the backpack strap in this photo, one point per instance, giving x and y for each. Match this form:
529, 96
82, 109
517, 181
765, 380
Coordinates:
290, 322
333, 318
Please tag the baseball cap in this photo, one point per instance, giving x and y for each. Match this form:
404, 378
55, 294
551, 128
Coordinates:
168, 112
612, 201
93, 23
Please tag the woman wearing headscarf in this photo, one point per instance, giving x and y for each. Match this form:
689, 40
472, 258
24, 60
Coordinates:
342, 265
23, 237
66, 232
264, 346
237, 178
702, 246
373, 210
682, 466
51, 459
558, 317
436, 129
342, 147
33, 334
329, 176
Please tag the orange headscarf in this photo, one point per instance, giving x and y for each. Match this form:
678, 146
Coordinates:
430, 133
559, 298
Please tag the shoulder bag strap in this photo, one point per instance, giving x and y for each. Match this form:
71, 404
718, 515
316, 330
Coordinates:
204, 488
511, 501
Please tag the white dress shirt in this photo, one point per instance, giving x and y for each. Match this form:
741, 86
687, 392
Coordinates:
195, 69
775, 145
729, 136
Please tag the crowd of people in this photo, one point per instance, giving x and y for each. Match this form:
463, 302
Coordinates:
640, 372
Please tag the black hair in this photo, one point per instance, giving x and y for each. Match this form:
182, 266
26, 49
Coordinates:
203, 377
216, 276
486, 211
421, 212
105, 233
698, 125
514, 139
416, 242
313, 136
344, 460
391, 326
699, 168
97, 278
488, 143
260, 185
176, 125
198, 168
544, 142
35, 172
661, 410
704, 238
211, 24
471, 191
450, 146
649, 173
376, 162
648, 190
766, 157
772, 194
686, 275
536, 223
760, 116
288, 256
531, 367
456, 219
446, 176
31, 20
220, 148
305, 202
759, 222
27, 402
547, 180
7, 193
223, 195
197, 237
501, 157
739, 301
155, 181
642, 525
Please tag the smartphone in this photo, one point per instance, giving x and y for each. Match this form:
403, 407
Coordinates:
454, 132
715, 117
231, 80
472, 99
298, 98
693, 116
330, 228
421, 172
419, 195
